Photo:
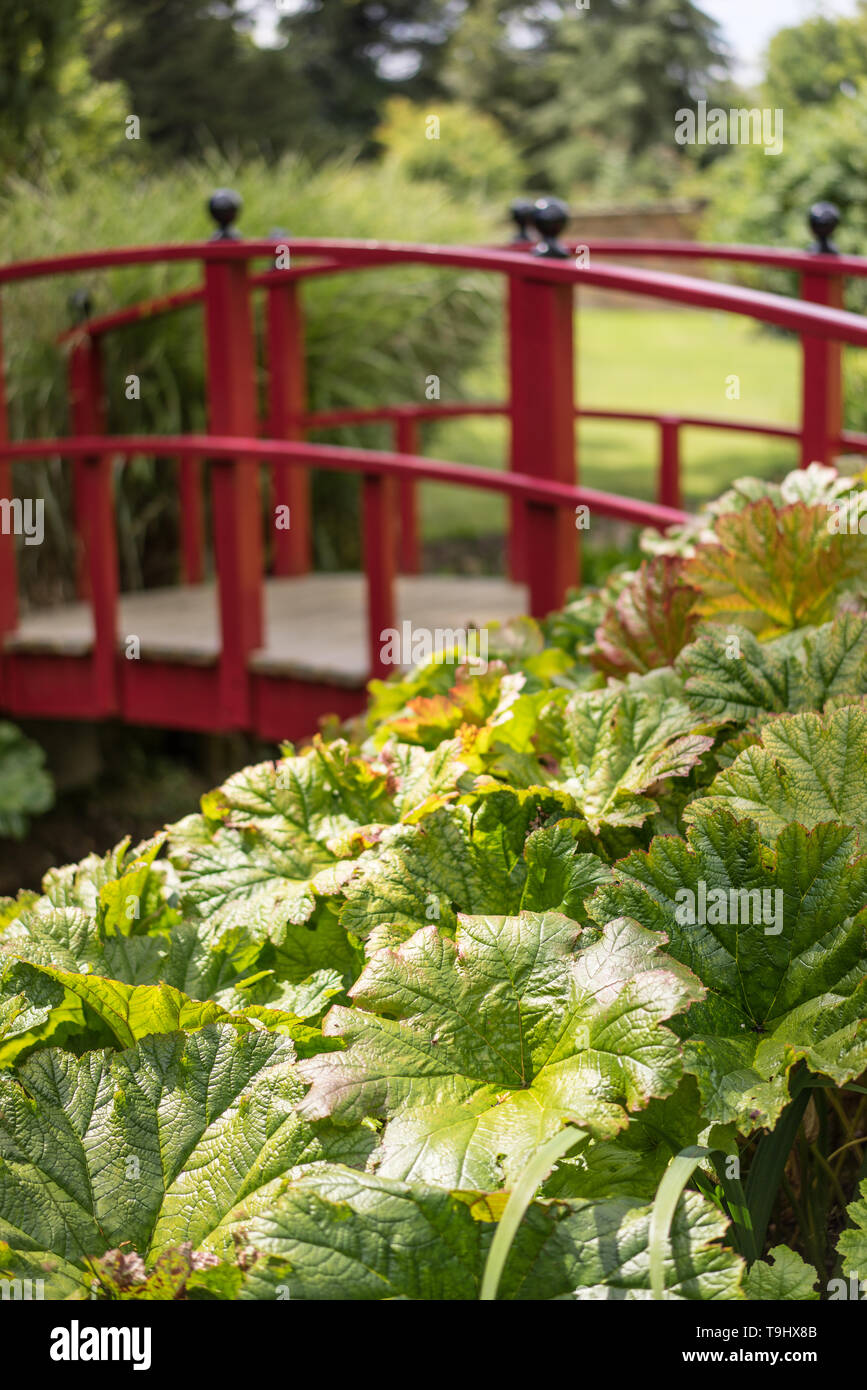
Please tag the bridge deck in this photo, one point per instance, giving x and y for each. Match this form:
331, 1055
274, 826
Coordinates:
315, 625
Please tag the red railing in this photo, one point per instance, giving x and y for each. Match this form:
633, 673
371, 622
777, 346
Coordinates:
541, 483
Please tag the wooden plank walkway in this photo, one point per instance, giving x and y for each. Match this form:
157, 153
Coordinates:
315, 625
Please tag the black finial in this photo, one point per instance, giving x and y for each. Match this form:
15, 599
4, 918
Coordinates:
224, 206
824, 220
550, 216
521, 212
80, 305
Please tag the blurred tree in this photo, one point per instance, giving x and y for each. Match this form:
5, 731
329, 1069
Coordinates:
51, 110
34, 41
584, 92
572, 84
356, 54
814, 62
196, 79
765, 202
499, 60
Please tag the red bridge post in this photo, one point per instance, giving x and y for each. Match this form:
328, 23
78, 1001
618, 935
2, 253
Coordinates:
287, 404
520, 442
93, 501
669, 488
542, 399
86, 416
406, 441
192, 521
543, 433
237, 521
379, 505
822, 388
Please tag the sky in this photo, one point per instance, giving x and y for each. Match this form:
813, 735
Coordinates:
748, 24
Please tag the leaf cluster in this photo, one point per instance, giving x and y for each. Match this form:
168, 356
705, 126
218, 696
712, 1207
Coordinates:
599, 907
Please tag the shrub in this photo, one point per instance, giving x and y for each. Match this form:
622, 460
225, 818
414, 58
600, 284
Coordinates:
26, 788
543, 925
451, 144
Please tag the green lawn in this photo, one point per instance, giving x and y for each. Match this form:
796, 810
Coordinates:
639, 360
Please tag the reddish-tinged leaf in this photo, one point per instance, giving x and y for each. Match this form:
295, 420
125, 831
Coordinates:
651, 621
774, 570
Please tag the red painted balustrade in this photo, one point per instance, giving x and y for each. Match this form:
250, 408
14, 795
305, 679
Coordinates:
542, 482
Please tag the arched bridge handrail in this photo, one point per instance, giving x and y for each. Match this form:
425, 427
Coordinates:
816, 320
371, 462
340, 251
540, 484
452, 410
179, 299
772, 257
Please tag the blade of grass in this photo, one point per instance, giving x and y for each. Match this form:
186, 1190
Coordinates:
766, 1169
668, 1194
737, 1208
521, 1196
852, 1144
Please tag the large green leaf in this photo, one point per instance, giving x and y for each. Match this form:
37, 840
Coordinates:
744, 678
480, 709
441, 692
132, 1012
109, 915
632, 1164
785, 970
71, 939
853, 1241
240, 874
23, 1020
419, 781
807, 769
189, 958
393, 700
476, 1049
480, 858
151, 1146
129, 890
815, 485
834, 663
337, 1234
251, 860
612, 749
97, 915
783, 1277
729, 674
186, 964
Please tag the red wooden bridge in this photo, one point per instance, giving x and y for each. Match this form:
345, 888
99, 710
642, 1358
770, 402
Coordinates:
271, 654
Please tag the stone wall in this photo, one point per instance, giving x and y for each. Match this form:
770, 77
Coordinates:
673, 221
